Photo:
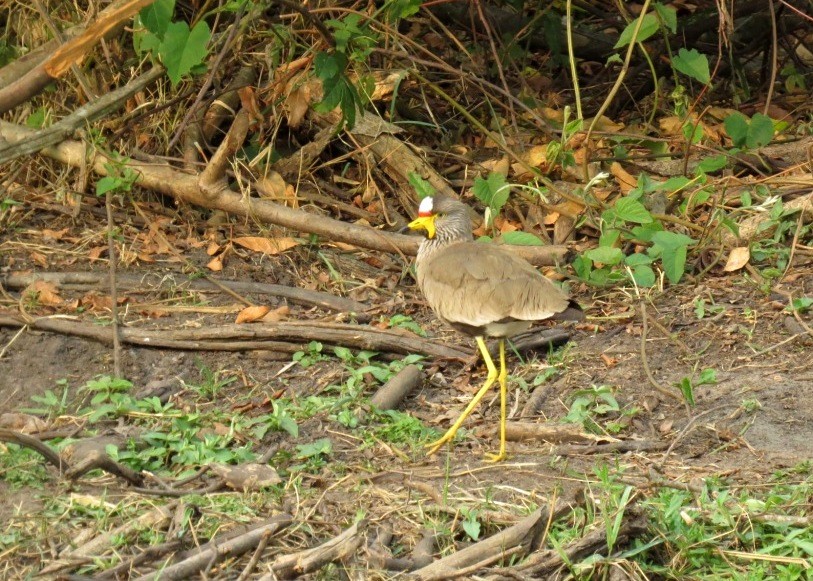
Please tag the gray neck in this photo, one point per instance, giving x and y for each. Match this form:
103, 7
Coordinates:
456, 229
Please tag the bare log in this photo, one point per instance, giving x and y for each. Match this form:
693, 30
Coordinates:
552, 433
270, 336
184, 186
157, 281
189, 568
521, 538
336, 549
396, 389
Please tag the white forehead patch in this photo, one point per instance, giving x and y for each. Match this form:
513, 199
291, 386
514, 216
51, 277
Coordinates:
426, 206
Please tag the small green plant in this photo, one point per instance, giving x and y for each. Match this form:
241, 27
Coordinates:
355, 41
21, 467
701, 308
312, 356
629, 220
470, 523
51, 404
749, 134
180, 49
210, 382
109, 397
687, 385
594, 405
404, 322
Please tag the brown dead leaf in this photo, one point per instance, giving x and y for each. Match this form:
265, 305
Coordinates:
213, 248
40, 259
252, 314
271, 246
606, 124
248, 100
54, 234
153, 313
272, 186
96, 252
500, 166
609, 362
537, 155
738, 258
45, 293
277, 315
671, 125
626, 181
296, 104
216, 264
551, 218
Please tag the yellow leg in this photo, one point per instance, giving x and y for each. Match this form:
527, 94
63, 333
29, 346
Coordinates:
501, 455
492, 377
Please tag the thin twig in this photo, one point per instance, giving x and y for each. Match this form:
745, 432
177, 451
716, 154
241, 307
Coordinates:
665, 391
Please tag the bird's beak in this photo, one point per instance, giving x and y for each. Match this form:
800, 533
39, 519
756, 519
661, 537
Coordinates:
424, 223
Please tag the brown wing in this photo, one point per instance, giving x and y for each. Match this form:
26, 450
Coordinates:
477, 284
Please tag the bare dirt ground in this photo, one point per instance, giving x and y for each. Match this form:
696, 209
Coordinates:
756, 419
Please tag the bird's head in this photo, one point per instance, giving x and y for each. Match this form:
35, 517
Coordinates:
441, 213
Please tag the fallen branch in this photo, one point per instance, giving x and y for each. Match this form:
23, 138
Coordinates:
336, 549
154, 519
525, 536
157, 282
184, 186
286, 337
545, 563
37, 140
551, 433
215, 551
623, 446
392, 393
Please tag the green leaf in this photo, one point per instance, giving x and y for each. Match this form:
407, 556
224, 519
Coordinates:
707, 377
637, 259
37, 119
518, 238
631, 210
802, 304
674, 263
107, 184
157, 16
315, 448
687, 389
471, 526
672, 239
643, 275
583, 266
492, 191
329, 65
736, 126
760, 131
183, 49
712, 164
605, 255
668, 16
288, 424
693, 133
692, 64
648, 28
422, 187
609, 237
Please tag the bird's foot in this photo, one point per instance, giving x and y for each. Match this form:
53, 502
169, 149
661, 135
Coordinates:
498, 457
433, 447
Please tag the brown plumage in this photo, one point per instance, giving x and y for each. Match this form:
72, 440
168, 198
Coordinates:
481, 290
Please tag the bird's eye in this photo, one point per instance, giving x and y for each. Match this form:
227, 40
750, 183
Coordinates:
440, 214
